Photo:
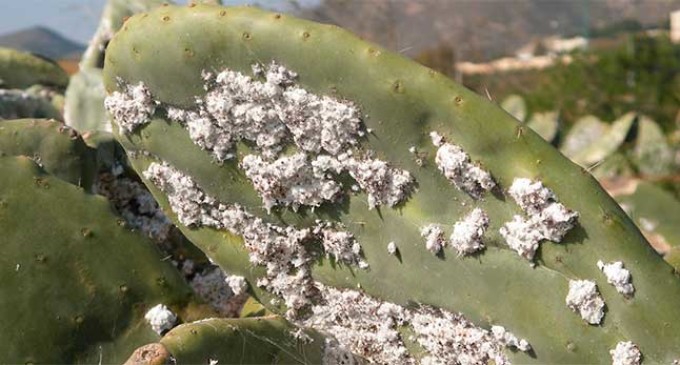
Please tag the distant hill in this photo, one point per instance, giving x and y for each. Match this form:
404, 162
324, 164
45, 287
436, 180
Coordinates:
43, 41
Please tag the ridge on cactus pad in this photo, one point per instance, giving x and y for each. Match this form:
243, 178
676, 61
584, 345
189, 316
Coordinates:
212, 119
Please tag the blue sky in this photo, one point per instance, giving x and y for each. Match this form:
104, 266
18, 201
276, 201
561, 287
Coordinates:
76, 19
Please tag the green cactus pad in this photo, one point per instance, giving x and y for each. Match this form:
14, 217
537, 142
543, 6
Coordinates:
585, 131
260, 340
614, 166
113, 16
656, 213
652, 154
401, 103
19, 70
253, 308
608, 143
56, 147
76, 283
84, 108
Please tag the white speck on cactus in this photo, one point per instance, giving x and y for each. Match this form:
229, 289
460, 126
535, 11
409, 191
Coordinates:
130, 108
547, 218
291, 180
301, 336
204, 132
554, 221
457, 167
320, 123
531, 196
384, 184
160, 318
340, 244
509, 339
237, 284
437, 139
392, 248
584, 298
434, 238
618, 276
522, 236
626, 353
468, 233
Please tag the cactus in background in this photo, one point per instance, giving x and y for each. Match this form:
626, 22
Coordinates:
516, 106
113, 16
19, 70
656, 213
614, 166
30, 86
76, 283
652, 154
84, 109
585, 131
16, 104
607, 144
55, 147
338, 218
545, 124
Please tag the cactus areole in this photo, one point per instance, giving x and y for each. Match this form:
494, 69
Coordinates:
291, 152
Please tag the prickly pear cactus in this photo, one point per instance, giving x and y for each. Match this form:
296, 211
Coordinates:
585, 131
76, 283
52, 145
652, 153
608, 143
113, 16
546, 124
262, 340
656, 213
84, 109
19, 70
15, 104
355, 190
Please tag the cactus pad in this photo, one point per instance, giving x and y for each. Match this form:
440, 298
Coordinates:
282, 86
19, 70
75, 282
